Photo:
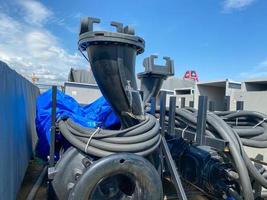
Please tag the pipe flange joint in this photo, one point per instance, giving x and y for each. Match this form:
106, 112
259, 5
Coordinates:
124, 35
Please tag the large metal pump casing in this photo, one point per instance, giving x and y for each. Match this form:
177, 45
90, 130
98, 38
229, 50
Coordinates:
153, 76
79, 176
112, 58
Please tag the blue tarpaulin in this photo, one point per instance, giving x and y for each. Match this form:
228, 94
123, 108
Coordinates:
97, 114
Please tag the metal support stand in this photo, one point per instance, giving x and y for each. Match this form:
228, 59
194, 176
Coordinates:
51, 168
171, 124
201, 119
53, 127
162, 112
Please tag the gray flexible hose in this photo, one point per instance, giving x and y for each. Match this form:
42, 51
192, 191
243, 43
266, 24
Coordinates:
249, 125
226, 134
141, 139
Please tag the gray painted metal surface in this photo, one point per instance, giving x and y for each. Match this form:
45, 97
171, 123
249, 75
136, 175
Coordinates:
18, 134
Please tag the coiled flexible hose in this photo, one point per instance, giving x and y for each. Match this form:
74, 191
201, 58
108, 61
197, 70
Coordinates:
141, 139
250, 126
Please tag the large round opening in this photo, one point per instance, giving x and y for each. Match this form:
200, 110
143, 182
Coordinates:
115, 187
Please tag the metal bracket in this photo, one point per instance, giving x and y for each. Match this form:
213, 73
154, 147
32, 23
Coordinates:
121, 29
87, 24
118, 25
152, 68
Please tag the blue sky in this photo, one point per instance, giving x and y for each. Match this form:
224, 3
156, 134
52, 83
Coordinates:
217, 38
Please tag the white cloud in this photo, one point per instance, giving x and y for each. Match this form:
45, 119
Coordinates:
237, 4
30, 48
36, 12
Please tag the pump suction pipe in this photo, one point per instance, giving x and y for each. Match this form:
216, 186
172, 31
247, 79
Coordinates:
112, 59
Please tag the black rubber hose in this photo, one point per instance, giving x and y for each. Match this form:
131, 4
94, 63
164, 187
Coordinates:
142, 140
248, 131
254, 135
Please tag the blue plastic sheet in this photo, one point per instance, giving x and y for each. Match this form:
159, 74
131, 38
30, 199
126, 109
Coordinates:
96, 114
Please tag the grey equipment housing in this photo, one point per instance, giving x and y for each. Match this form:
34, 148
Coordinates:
153, 76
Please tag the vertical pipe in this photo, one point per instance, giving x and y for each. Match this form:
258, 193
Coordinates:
53, 126
171, 123
201, 119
